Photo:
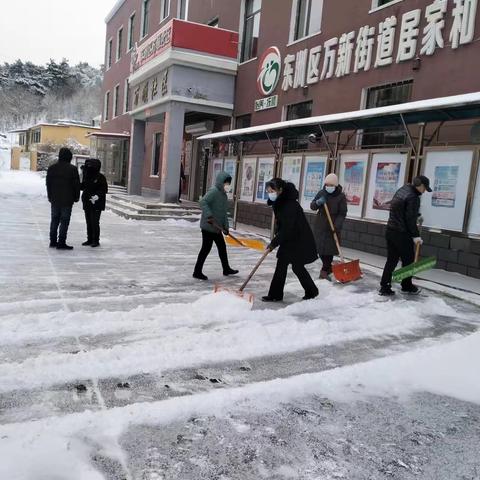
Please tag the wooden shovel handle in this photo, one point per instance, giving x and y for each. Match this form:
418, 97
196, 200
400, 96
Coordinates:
417, 251
235, 239
335, 236
257, 266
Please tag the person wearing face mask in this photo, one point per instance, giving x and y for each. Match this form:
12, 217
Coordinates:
214, 224
294, 239
402, 233
95, 189
336, 201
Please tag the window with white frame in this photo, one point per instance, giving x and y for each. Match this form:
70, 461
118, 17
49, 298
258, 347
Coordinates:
145, 17
251, 29
306, 18
106, 108
119, 43
164, 9
183, 9
126, 107
21, 139
116, 98
131, 32
381, 3
36, 136
109, 53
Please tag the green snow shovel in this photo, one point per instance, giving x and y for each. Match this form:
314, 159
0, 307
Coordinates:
414, 268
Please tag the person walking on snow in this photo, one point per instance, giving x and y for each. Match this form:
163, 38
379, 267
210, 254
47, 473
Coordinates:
402, 233
95, 189
336, 201
214, 224
294, 239
63, 190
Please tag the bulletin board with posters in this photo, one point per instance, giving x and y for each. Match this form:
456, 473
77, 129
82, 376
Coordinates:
247, 186
217, 167
387, 174
474, 222
353, 179
313, 178
230, 167
266, 166
292, 169
449, 174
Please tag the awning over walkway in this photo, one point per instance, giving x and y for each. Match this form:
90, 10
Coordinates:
458, 107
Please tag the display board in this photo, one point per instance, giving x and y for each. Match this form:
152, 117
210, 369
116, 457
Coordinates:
247, 187
217, 167
230, 167
292, 169
387, 175
474, 223
353, 177
449, 174
313, 178
265, 174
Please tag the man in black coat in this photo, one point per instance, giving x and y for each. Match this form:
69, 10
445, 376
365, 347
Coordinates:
95, 189
402, 233
63, 190
294, 239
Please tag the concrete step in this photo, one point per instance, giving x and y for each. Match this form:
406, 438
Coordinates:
143, 203
133, 208
135, 215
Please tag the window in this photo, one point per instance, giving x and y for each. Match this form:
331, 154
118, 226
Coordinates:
106, 108
307, 18
109, 53
251, 29
183, 9
131, 32
243, 121
298, 110
164, 9
127, 97
213, 23
383, 96
145, 17
116, 97
119, 43
157, 150
36, 136
21, 139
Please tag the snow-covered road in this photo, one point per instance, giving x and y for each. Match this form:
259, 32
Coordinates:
115, 364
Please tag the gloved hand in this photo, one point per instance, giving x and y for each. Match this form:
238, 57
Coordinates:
226, 231
94, 199
418, 240
321, 201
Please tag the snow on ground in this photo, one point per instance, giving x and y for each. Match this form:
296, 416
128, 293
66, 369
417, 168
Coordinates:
115, 364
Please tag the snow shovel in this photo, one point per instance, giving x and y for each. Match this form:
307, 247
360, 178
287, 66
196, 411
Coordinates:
243, 242
416, 267
343, 271
240, 292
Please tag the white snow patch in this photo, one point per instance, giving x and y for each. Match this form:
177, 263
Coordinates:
22, 183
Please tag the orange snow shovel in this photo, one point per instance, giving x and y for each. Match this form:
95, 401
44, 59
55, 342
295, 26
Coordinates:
240, 292
343, 271
253, 243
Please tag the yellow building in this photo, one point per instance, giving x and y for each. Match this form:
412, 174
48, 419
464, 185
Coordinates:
47, 139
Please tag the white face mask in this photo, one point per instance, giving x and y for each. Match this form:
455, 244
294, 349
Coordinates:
330, 189
227, 187
273, 196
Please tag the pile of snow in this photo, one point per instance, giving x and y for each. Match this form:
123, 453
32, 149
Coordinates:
22, 183
5, 159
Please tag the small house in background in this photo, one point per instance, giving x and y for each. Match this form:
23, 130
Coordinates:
37, 146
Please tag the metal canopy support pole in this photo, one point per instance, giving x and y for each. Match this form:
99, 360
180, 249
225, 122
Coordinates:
325, 139
407, 131
419, 154
236, 195
277, 149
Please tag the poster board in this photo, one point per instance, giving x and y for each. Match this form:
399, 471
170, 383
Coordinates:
230, 167
353, 178
292, 169
247, 187
265, 174
474, 222
217, 167
313, 178
387, 175
449, 174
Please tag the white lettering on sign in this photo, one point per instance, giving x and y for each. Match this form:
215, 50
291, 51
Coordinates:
356, 50
266, 103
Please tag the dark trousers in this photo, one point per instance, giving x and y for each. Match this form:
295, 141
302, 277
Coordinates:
92, 218
399, 246
280, 277
60, 216
327, 261
207, 242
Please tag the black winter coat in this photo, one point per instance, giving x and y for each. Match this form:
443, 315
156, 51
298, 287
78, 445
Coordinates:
294, 235
337, 204
63, 184
92, 185
404, 211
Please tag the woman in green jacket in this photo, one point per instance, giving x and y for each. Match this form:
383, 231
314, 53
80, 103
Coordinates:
214, 223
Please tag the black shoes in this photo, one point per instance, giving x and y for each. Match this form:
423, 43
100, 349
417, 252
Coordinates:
325, 275
230, 271
310, 296
413, 290
386, 291
268, 299
95, 244
87, 243
199, 276
64, 246
53, 244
